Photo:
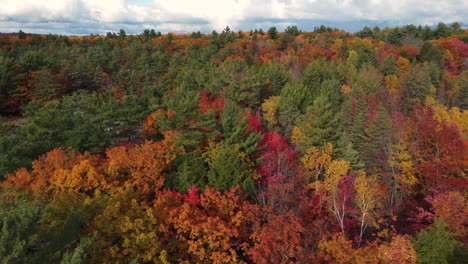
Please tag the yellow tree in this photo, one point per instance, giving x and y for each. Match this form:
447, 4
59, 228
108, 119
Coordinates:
270, 110
369, 195
316, 160
403, 170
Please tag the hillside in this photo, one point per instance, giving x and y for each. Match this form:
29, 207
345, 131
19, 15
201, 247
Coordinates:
235, 147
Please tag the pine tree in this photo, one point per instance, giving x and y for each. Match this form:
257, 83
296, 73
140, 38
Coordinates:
436, 245
228, 167
317, 126
376, 139
272, 33
184, 117
345, 150
234, 125
293, 102
389, 66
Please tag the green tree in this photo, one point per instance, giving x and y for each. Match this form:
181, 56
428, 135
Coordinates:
377, 139
273, 33
228, 167
293, 102
21, 34
429, 52
317, 126
436, 245
292, 31
234, 125
389, 66
28, 233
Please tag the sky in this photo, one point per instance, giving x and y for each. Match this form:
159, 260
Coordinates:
82, 17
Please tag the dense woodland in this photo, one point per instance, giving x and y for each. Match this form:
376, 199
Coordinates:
235, 147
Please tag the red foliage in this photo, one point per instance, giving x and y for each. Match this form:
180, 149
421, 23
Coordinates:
441, 151
410, 51
254, 124
277, 156
209, 101
458, 52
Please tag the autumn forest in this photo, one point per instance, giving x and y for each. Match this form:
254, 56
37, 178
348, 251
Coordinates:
263, 147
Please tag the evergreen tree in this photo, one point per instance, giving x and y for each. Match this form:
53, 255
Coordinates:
376, 139
293, 101
416, 86
234, 125
317, 126
346, 151
389, 66
429, 52
436, 245
228, 167
195, 127
272, 33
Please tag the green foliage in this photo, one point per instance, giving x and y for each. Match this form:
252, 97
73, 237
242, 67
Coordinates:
234, 125
318, 125
436, 245
84, 121
194, 126
389, 66
78, 256
429, 52
417, 85
273, 33
191, 171
376, 139
316, 73
28, 235
19, 228
293, 102
292, 31
228, 167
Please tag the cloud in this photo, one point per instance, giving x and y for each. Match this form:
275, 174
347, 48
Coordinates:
83, 16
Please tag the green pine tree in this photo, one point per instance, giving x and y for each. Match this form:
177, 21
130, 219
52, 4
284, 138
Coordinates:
436, 245
318, 125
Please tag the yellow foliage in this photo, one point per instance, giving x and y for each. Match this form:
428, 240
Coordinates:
315, 160
402, 164
392, 83
399, 251
403, 64
369, 195
297, 137
454, 116
270, 109
352, 57
336, 169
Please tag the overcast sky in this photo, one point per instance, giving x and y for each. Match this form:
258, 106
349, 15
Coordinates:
78, 17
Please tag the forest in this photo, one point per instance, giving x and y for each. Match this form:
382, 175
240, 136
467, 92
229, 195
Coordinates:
257, 146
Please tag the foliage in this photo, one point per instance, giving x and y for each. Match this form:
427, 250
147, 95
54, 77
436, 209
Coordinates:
235, 147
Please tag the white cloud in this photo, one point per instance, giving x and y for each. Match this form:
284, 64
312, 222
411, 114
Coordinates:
189, 15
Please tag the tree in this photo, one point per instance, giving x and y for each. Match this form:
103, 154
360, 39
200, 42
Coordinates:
21, 34
429, 52
399, 250
435, 245
451, 207
292, 102
377, 140
369, 196
234, 123
317, 126
389, 66
273, 33
278, 241
29, 233
229, 167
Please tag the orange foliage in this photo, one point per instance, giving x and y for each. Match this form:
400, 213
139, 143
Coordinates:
66, 170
